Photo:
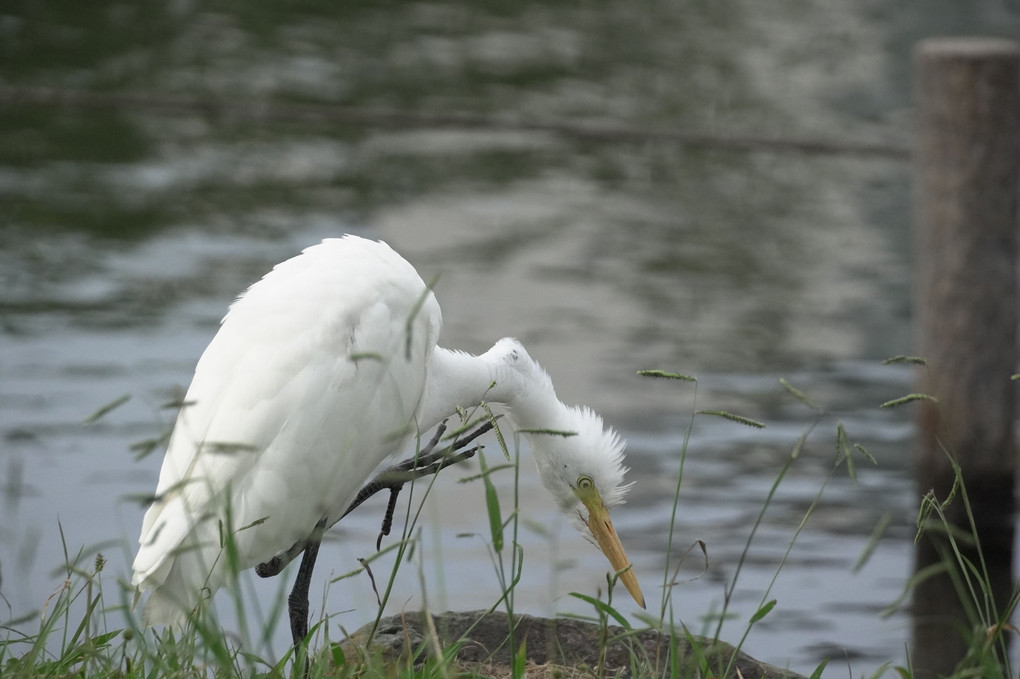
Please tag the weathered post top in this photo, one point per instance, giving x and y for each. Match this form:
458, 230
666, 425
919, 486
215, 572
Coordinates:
962, 47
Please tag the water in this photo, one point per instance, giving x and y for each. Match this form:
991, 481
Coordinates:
127, 231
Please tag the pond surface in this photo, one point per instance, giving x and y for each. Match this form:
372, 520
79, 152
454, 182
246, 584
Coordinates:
127, 230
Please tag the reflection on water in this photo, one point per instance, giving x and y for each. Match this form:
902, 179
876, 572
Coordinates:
127, 231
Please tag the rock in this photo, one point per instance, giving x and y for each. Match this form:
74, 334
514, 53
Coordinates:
557, 647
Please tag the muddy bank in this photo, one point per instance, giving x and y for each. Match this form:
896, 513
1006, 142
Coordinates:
559, 647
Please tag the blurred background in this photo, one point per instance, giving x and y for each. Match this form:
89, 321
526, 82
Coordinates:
156, 159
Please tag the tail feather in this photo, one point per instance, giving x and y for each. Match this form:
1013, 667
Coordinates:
164, 609
177, 597
180, 582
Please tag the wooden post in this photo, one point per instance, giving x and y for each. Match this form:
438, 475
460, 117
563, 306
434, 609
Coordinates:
967, 179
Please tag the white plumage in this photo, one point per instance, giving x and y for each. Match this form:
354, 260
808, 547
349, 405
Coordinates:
319, 372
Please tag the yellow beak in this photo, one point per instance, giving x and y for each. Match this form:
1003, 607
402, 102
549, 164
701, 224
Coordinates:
609, 542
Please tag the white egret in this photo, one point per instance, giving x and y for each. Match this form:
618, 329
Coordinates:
319, 372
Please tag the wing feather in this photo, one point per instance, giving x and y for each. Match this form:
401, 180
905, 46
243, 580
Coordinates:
293, 404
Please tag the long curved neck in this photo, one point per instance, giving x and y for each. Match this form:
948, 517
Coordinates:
566, 442
457, 379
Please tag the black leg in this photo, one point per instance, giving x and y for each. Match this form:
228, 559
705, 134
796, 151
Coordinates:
428, 462
297, 602
387, 522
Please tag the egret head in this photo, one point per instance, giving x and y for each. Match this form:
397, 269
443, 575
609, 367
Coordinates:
584, 472
579, 459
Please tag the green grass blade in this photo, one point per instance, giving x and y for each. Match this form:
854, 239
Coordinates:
909, 398
102, 410
520, 660
603, 607
797, 394
492, 509
739, 419
763, 611
497, 431
864, 451
664, 375
843, 451
872, 544
910, 360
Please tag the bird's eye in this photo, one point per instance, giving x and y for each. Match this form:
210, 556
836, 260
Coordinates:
585, 483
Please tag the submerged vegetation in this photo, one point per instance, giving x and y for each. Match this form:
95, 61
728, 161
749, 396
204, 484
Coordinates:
88, 628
